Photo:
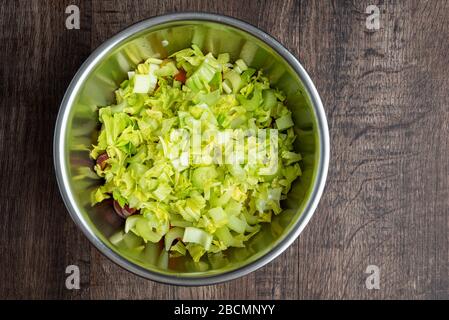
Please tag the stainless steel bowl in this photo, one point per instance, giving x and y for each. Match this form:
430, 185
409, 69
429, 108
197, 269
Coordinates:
94, 84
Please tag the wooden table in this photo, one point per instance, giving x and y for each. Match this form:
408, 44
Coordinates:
387, 197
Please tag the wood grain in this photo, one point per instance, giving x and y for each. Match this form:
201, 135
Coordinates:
387, 197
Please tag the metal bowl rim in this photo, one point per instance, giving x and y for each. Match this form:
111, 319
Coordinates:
60, 161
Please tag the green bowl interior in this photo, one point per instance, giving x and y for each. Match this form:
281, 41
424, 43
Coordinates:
97, 90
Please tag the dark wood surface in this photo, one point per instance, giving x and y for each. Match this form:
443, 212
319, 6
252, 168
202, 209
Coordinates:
387, 197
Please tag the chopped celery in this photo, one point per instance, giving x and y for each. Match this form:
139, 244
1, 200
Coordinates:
179, 247
284, 122
117, 237
197, 236
142, 83
172, 235
236, 224
148, 163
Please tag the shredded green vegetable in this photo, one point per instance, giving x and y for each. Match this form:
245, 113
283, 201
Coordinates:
195, 202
